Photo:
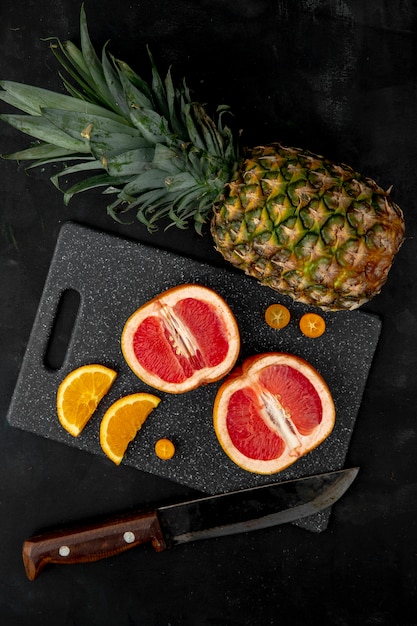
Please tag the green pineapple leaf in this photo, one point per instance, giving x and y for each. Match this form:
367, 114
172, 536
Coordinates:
72, 60
74, 169
33, 100
115, 86
41, 128
158, 90
94, 66
42, 152
105, 145
128, 163
79, 124
101, 180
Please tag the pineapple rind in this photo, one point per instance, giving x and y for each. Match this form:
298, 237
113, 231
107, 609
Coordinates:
312, 230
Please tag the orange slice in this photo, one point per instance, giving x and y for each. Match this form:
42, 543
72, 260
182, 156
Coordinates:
312, 325
277, 316
80, 393
122, 421
164, 449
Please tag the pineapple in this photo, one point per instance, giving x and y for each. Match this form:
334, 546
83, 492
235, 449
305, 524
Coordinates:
318, 232
313, 230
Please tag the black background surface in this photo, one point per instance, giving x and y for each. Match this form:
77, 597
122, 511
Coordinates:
338, 78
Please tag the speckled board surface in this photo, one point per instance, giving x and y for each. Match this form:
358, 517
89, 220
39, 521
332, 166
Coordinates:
114, 277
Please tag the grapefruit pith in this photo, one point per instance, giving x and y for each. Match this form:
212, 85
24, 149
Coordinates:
183, 338
272, 411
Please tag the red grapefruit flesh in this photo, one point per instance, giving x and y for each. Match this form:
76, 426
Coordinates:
181, 339
272, 411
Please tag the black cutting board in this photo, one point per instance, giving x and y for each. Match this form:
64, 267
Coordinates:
114, 277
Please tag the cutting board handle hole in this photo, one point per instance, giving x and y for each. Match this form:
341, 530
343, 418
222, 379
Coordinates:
62, 327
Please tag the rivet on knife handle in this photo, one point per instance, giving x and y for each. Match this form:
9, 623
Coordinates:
91, 543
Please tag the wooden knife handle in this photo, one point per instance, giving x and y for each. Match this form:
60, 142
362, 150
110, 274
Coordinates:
91, 543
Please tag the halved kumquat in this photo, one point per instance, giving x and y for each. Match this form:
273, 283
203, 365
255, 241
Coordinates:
312, 325
277, 316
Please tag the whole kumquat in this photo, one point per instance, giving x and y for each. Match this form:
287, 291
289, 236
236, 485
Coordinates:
164, 449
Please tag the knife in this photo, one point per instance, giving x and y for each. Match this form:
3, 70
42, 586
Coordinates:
203, 518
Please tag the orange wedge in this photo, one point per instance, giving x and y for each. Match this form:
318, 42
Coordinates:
80, 393
122, 421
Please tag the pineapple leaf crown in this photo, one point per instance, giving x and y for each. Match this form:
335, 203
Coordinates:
147, 142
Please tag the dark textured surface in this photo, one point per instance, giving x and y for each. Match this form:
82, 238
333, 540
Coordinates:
114, 277
337, 77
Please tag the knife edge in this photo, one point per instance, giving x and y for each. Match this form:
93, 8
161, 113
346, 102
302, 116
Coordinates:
252, 509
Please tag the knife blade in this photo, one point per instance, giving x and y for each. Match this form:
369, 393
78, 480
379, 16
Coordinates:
166, 526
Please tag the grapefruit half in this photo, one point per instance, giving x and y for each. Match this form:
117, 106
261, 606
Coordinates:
272, 411
183, 338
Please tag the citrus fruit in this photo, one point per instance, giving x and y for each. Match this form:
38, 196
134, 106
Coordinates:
181, 339
312, 325
272, 411
277, 316
80, 393
121, 422
164, 449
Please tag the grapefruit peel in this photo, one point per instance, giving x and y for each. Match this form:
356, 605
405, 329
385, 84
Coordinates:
276, 425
